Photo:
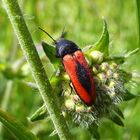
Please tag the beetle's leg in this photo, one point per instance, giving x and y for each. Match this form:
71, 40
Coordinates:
71, 88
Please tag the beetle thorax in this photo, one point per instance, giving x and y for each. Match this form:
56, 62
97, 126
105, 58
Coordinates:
64, 47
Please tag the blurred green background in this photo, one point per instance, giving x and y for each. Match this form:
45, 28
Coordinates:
83, 20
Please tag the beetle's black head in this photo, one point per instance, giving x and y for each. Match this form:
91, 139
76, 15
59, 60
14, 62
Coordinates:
64, 47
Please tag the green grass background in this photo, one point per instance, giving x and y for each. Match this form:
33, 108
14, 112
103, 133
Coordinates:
83, 20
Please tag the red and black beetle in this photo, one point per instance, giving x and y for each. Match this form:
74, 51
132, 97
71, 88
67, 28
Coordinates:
77, 68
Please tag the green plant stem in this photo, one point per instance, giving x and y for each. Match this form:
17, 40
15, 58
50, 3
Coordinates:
8, 90
5, 101
30, 52
138, 15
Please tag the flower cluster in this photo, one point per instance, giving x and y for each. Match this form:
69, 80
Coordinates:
110, 90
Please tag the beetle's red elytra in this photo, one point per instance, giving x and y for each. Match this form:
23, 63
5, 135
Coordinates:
81, 76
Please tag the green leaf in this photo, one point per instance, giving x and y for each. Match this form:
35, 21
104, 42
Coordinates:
122, 59
128, 96
102, 44
31, 85
93, 129
53, 133
115, 118
131, 53
116, 59
138, 16
16, 127
39, 114
118, 111
51, 53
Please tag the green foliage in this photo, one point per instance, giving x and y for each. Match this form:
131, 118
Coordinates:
118, 112
50, 53
103, 44
128, 96
40, 114
138, 17
16, 127
116, 119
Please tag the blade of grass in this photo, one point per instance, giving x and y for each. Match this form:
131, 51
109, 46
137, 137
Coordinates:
14, 13
5, 101
138, 16
9, 85
16, 127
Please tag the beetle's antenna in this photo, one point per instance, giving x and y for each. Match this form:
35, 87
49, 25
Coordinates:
48, 35
63, 32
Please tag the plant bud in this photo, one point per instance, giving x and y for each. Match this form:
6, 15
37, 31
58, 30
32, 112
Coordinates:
112, 84
113, 66
109, 73
97, 57
80, 108
102, 77
116, 76
69, 104
104, 66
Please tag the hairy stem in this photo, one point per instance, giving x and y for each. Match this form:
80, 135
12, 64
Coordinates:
30, 52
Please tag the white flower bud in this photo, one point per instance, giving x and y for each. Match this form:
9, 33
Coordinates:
116, 76
111, 84
102, 77
97, 56
109, 73
113, 66
69, 104
80, 108
104, 66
